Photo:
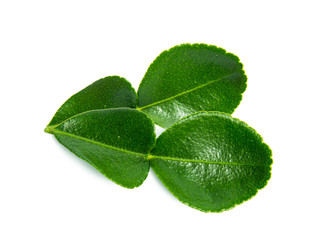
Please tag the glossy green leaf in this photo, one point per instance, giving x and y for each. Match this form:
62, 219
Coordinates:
114, 141
211, 161
109, 92
191, 78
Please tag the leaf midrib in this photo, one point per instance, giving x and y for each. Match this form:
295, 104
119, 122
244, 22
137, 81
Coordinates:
203, 161
186, 92
100, 144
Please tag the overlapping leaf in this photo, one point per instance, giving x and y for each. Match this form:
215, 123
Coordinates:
114, 141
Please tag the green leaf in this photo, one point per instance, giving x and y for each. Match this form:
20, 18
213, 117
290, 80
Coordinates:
211, 161
109, 92
114, 141
191, 78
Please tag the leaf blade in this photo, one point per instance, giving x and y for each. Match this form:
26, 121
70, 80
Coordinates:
105, 139
108, 92
191, 78
211, 161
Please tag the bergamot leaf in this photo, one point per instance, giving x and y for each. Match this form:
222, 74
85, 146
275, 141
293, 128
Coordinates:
115, 141
108, 92
211, 161
189, 78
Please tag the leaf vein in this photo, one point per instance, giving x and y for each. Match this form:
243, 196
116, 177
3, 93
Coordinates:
203, 161
186, 92
101, 144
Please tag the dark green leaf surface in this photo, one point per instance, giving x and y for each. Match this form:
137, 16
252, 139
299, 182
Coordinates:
188, 79
211, 161
109, 92
114, 141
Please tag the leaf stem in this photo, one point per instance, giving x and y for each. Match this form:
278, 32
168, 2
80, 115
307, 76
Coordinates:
49, 129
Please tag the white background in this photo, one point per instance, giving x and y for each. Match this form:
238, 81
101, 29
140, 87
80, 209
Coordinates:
51, 49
